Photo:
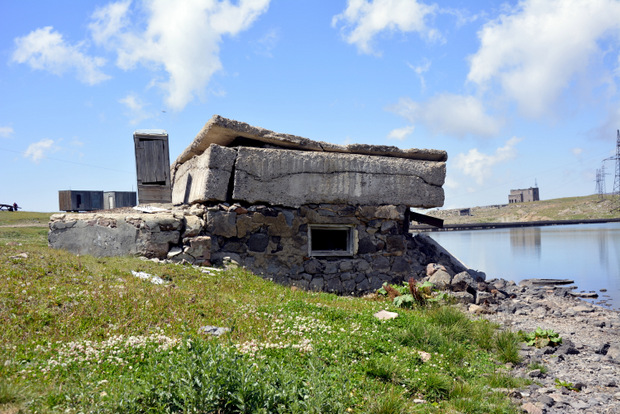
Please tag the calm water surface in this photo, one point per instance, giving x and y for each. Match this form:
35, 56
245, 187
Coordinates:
589, 254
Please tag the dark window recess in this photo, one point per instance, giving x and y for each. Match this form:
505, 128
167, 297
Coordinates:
330, 239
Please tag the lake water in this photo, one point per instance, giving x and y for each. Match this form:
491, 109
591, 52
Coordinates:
589, 254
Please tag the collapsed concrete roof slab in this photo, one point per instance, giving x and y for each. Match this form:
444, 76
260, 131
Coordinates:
232, 161
222, 131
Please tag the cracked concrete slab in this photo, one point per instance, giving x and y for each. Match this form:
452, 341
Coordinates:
295, 178
204, 177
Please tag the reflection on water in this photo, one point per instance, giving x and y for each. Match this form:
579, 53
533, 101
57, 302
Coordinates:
525, 241
587, 253
603, 240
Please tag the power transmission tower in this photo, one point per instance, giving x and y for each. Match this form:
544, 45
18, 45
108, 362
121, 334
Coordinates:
617, 175
600, 189
616, 191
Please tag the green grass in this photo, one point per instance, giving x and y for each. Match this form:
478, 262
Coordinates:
82, 334
570, 208
8, 218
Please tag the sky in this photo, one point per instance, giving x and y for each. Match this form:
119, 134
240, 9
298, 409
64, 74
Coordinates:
518, 93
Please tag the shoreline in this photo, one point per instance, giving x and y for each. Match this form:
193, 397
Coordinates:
588, 358
514, 224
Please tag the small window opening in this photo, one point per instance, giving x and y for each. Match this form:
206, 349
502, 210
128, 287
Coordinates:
334, 240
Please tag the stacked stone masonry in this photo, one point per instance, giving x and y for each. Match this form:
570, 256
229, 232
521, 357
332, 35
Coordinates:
270, 241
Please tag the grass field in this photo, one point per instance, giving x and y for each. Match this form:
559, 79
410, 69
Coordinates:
570, 208
83, 334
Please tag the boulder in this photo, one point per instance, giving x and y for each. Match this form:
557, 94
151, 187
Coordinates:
199, 248
477, 275
463, 282
484, 297
463, 297
613, 352
431, 268
193, 226
441, 279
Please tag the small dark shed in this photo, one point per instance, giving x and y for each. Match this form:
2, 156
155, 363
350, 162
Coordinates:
152, 166
80, 200
116, 199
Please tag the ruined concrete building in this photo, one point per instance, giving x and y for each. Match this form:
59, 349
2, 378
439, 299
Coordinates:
301, 212
526, 195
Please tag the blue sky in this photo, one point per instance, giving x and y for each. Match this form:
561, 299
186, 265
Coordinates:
515, 92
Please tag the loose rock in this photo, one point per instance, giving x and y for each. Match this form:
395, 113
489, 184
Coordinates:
587, 361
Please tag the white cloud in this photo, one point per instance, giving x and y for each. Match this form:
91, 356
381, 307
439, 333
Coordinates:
183, 38
420, 70
449, 114
537, 50
77, 143
577, 151
265, 45
363, 20
37, 151
6, 132
137, 112
109, 21
401, 133
479, 166
451, 183
45, 49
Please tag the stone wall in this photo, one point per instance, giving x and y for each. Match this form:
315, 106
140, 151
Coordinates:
108, 234
272, 242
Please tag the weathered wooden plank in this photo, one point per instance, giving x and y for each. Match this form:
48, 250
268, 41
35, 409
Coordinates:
152, 166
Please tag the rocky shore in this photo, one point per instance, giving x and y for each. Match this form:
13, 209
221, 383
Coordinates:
582, 374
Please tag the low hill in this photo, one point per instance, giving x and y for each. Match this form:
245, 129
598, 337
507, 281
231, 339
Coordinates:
570, 208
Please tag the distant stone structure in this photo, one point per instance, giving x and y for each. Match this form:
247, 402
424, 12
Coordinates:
524, 196
300, 212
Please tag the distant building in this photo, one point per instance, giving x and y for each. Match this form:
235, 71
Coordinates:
86, 200
80, 200
465, 212
523, 196
117, 199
